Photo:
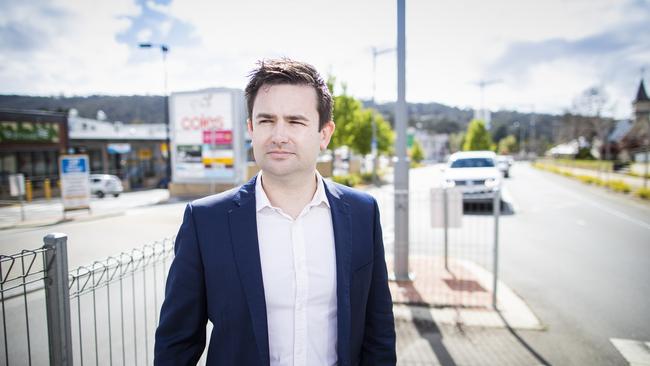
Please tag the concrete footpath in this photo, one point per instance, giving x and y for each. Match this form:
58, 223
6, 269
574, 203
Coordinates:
457, 333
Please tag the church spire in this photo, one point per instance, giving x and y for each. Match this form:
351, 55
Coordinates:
641, 95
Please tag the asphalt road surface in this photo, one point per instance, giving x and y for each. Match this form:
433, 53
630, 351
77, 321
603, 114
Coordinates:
578, 255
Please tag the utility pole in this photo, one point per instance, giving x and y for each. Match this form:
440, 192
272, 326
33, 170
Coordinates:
402, 160
482, 84
168, 162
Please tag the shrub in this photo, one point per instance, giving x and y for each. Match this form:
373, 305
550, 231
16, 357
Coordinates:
349, 180
643, 193
588, 179
619, 186
633, 174
367, 177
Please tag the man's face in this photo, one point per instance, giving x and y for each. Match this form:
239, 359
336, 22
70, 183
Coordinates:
284, 130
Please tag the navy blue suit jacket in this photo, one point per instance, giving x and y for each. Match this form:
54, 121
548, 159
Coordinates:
216, 275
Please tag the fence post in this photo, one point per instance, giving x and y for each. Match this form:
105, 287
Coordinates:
57, 299
445, 203
496, 210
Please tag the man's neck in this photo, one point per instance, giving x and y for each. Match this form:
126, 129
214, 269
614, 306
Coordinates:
290, 195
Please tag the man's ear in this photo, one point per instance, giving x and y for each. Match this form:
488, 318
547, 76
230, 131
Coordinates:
326, 134
249, 127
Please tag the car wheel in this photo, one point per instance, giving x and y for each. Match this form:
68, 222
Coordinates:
100, 194
116, 195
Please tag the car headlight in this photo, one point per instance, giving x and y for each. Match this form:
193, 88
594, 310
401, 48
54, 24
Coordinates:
491, 183
449, 183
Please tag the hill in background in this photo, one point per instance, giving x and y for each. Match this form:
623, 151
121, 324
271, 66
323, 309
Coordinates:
433, 117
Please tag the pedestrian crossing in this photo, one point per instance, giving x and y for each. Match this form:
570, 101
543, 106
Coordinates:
636, 353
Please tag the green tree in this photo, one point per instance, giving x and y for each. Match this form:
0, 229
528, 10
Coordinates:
359, 135
477, 137
417, 154
507, 145
354, 125
346, 111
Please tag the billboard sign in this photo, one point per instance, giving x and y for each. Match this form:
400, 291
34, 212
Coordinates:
204, 129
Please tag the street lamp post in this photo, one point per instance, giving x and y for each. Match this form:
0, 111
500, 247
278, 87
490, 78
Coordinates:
164, 49
401, 263
373, 143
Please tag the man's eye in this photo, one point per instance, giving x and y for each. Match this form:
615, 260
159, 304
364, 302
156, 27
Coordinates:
264, 121
297, 123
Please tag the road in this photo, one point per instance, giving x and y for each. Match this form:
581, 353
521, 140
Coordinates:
578, 255
115, 225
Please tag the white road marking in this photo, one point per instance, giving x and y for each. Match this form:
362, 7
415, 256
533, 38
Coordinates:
636, 353
611, 211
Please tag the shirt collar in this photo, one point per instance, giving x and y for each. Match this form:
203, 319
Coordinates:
262, 200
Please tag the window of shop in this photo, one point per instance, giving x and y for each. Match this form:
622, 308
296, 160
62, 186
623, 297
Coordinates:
146, 162
7, 163
96, 165
52, 163
39, 165
7, 167
25, 164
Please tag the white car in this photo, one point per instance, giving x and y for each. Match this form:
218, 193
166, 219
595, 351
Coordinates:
475, 174
504, 162
103, 184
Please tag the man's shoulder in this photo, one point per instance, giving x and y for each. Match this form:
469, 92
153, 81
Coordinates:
226, 199
216, 200
348, 194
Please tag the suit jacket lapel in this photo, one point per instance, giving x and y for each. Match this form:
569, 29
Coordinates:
243, 229
341, 224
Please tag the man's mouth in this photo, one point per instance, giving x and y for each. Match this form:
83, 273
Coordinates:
279, 153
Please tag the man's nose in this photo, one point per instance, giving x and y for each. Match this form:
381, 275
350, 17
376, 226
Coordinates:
279, 135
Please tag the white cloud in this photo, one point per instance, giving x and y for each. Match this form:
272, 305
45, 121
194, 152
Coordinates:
78, 52
144, 35
158, 7
450, 45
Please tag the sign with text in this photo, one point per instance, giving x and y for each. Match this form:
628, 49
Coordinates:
75, 184
202, 124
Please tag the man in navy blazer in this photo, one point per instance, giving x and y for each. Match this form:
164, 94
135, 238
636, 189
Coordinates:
221, 269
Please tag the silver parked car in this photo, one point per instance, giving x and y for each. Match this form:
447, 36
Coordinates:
103, 184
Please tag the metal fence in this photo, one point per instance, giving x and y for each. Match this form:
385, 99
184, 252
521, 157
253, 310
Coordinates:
22, 299
102, 314
453, 248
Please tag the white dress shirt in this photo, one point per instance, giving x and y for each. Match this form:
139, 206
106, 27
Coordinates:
299, 273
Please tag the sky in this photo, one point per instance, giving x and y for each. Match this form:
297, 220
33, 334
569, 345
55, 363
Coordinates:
539, 55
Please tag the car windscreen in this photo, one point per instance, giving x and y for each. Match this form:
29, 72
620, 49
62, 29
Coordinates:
473, 163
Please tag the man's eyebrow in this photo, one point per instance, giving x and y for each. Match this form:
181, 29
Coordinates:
265, 116
294, 117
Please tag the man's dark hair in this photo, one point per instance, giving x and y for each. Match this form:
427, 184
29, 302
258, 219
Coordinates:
287, 71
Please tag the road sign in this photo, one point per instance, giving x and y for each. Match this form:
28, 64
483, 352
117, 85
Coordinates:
17, 185
75, 183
